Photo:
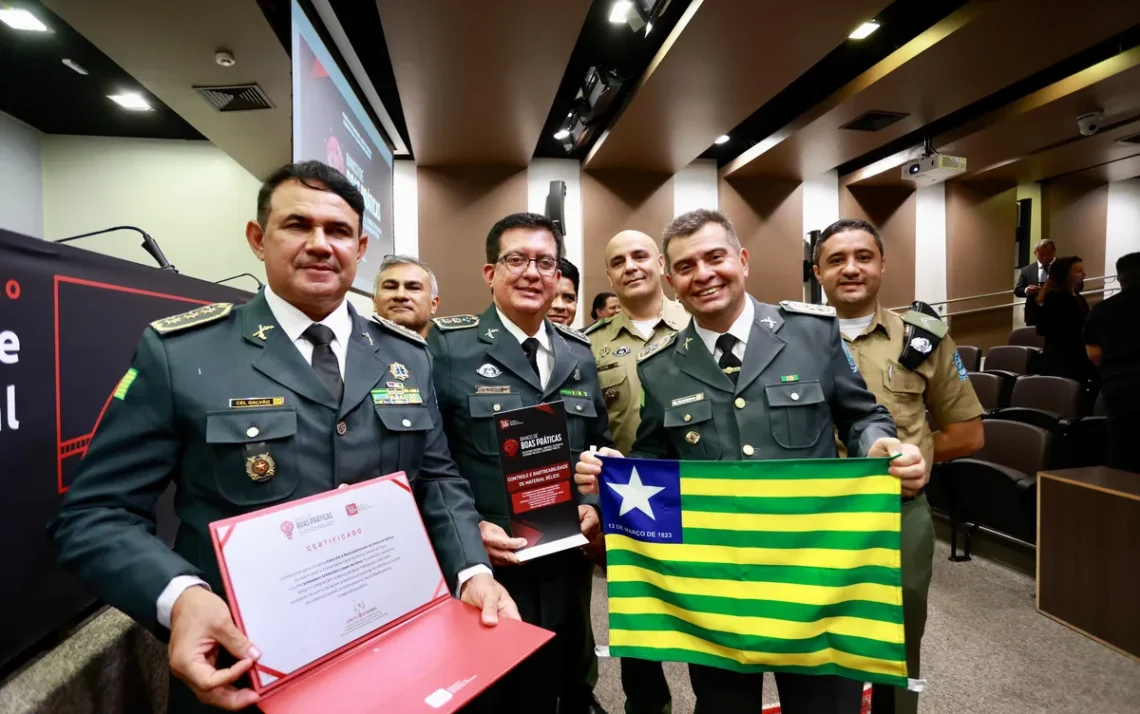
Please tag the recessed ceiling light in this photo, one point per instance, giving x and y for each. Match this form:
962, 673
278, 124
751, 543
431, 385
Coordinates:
620, 11
131, 100
864, 30
561, 134
722, 139
22, 20
72, 64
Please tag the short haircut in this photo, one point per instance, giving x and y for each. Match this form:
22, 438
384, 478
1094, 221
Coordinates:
315, 175
394, 260
570, 272
600, 301
689, 223
525, 221
842, 226
1128, 270
1044, 242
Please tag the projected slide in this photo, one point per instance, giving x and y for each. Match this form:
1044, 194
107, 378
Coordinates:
330, 125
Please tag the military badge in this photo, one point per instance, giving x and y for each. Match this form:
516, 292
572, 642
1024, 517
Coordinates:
621, 351
489, 371
577, 374
260, 467
921, 344
260, 332
399, 371
692, 437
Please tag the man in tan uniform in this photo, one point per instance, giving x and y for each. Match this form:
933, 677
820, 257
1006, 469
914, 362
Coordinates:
634, 265
911, 365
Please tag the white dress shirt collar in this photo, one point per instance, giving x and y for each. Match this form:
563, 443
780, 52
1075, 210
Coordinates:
294, 322
741, 328
543, 336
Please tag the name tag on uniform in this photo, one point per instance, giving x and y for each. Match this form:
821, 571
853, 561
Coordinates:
604, 367
397, 396
689, 399
492, 389
256, 402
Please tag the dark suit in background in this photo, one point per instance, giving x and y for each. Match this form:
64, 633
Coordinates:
1029, 275
1111, 326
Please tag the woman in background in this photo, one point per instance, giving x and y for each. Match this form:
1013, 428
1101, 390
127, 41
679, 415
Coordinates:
605, 305
1061, 321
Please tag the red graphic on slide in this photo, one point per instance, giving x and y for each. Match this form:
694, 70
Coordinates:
511, 446
334, 153
351, 509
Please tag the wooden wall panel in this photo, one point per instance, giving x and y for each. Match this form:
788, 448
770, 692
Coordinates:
614, 201
892, 211
457, 206
768, 215
1075, 215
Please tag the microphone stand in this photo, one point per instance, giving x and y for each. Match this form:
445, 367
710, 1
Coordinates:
251, 276
149, 244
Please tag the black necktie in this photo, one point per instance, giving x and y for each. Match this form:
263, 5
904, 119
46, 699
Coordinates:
530, 346
728, 362
324, 361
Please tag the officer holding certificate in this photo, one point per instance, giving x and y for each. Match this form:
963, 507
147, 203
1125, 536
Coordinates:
290, 395
511, 357
747, 381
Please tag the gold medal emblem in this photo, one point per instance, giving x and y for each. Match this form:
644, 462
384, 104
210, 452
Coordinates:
692, 437
260, 467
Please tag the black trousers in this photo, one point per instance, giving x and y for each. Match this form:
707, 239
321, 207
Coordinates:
645, 687
720, 691
1123, 451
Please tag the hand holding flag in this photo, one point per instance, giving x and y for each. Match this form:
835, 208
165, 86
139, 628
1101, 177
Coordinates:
589, 467
907, 464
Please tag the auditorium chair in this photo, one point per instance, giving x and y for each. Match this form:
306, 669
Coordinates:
971, 357
1054, 404
1010, 362
996, 487
1027, 337
990, 389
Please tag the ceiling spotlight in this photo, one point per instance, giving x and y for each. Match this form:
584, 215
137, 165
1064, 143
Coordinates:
620, 11
131, 100
561, 134
722, 139
72, 64
864, 30
21, 20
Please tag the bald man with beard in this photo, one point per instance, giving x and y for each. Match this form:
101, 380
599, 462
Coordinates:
634, 266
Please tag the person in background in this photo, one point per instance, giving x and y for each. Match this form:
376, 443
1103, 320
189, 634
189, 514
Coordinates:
634, 266
605, 305
1113, 344
1032, 277
909, 370
406, 292
1061, 321
565, 305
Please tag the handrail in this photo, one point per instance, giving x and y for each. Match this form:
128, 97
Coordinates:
976, 310
999, 293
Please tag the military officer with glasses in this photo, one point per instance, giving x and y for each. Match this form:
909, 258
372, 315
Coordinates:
509, 357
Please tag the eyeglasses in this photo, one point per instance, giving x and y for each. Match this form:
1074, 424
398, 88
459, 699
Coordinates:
517, 263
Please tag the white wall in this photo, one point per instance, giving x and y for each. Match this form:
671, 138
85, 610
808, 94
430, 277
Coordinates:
930, 245
1123, 234
695, 186
821, 202
405, 209
538, 177
21, 178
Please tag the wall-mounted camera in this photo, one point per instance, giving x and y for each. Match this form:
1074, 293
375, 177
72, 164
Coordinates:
1090, 123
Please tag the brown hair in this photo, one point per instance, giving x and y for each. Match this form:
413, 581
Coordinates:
1058, 280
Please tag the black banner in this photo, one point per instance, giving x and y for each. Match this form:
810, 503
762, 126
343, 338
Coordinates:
70, 320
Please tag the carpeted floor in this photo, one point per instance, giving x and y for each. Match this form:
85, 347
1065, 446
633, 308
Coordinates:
986, 651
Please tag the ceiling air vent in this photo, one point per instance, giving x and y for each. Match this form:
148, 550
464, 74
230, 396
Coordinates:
235, 97
873, 121
1134, 139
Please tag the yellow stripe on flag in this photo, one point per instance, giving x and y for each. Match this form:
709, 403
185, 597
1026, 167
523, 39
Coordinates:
762, 626
741, 590
680, 640
809, 557
859, 522
782, 488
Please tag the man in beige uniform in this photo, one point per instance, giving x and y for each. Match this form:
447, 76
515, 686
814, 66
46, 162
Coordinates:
911, 365
634, 265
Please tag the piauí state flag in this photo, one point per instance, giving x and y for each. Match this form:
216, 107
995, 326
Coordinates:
789, 566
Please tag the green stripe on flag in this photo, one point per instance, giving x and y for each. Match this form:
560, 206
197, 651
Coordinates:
798, 575
871, 503
835, 540
786, 469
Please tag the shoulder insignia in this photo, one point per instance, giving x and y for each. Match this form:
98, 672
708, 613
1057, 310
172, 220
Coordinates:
654, 347
572, 333
399, 329
456, 322
597, 326
933, 325
197, 316
806, 308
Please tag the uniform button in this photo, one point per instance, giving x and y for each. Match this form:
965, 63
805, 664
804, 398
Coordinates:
496, 407
406, 423
692, 437
579, 407
748, 450
740, 402
252, 432
688, 417
341, 428
795, 396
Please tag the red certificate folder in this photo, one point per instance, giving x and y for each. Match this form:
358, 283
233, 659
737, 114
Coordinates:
434, 656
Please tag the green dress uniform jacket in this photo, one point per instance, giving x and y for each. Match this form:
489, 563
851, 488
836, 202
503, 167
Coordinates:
220, 402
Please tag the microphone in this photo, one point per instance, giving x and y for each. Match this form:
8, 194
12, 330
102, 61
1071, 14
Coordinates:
251, 276
149, 244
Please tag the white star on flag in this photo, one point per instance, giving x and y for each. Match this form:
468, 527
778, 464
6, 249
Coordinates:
635, 494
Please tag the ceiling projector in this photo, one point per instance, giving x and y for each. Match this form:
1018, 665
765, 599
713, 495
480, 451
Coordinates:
933, 169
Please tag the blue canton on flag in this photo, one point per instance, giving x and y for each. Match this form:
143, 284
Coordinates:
641, 498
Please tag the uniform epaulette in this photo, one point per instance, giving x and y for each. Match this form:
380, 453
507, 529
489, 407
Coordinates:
572, 333
806, 308
399, 329
654, 347
597, 326
931, 324
194, 318
456, 322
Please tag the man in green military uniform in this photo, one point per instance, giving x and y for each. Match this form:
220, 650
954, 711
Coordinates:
747, 381
634, 266
246, 407
911, 365
506, 358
